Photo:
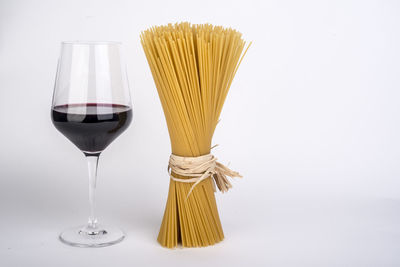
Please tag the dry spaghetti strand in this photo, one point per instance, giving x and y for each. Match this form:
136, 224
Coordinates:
193, 67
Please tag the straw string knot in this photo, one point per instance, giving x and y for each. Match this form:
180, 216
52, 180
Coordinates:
199, 169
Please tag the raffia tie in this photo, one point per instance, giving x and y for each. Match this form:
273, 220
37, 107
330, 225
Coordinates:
199, 169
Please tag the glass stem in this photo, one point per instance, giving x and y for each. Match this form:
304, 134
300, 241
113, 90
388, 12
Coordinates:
93, 161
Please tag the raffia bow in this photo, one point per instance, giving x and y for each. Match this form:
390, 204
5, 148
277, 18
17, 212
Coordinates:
200, 168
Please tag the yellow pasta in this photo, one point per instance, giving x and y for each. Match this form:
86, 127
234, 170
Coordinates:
193, 67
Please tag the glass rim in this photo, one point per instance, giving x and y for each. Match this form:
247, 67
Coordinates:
91, 43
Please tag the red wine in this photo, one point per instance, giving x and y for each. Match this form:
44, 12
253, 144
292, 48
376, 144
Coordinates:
91, 127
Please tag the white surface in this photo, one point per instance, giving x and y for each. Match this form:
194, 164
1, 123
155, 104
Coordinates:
312, 121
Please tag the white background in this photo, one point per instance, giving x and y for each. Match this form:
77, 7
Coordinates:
312, 122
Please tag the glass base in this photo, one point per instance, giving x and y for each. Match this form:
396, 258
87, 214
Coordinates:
85, 236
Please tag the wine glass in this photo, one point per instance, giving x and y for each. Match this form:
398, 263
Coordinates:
91, 107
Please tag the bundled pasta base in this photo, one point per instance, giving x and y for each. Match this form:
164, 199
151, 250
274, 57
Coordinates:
193, 67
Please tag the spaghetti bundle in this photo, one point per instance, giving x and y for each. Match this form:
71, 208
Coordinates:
193, 67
